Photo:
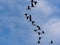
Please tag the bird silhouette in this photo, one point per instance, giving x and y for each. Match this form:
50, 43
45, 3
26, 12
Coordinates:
28, 8
38, 27
28, 17
39, 33
35, 2
26, 14
35, 30
38, 42
42, 32
51, 42
32, 1
33, 23
32, 5
39, 38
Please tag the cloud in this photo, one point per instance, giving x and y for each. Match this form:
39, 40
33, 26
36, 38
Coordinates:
53, 28
44, 6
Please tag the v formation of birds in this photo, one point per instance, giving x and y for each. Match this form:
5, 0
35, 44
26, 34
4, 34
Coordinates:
38, 29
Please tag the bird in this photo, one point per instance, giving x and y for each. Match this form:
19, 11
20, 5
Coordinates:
28, 17
42, 32
32, 5
35, 30
35, 2
39, 38
51, 42
28, 8
39, 33
38, 27
32, 1
38, 41
33, 23
26, 14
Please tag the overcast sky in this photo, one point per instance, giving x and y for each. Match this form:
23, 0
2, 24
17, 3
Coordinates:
16, 30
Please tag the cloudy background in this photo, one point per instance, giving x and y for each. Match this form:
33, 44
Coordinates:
16, 30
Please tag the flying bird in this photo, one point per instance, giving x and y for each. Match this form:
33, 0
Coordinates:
38, 41
39, 33
28, 17
32, 5
32, 1
26, 14
35, 30
38, 27
51, 42
33, 23
28, 8
39, 38
42, 32
35, 2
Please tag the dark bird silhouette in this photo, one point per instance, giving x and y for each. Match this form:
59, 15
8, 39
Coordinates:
39, 33
26, 14
28, 17
39, 38
35, 30
32, 1
38, 27
28, 8
51, 42
38, 42
42, 32
32, 5
33, 23
35, 2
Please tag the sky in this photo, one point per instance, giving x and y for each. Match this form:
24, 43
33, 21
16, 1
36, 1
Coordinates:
16, 30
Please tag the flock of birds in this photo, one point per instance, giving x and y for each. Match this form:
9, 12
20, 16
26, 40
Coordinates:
29, 17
